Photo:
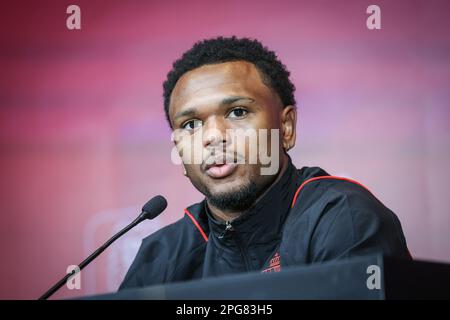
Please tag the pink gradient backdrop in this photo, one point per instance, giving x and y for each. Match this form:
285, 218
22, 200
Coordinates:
84, 143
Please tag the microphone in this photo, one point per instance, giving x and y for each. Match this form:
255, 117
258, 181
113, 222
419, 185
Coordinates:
150, 210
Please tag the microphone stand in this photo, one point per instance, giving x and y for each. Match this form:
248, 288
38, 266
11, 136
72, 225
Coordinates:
85, 262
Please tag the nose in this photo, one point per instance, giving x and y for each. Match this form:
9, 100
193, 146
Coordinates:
214, 133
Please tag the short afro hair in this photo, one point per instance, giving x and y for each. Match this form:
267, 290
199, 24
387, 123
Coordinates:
219, 50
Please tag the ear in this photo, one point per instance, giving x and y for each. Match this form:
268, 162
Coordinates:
288, 126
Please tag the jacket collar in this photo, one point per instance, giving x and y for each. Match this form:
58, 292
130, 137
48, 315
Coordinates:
264, 221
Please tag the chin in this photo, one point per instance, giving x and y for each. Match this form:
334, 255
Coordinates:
225, 187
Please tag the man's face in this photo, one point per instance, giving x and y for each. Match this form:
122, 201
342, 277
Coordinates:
209, 101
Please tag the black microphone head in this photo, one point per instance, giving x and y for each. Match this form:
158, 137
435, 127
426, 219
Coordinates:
153, 207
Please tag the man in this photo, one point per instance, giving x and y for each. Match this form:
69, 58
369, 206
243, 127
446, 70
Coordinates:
251, 221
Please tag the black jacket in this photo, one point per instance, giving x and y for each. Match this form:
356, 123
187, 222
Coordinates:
307, 217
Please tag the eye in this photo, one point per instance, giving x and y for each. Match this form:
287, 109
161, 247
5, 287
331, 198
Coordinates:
238, 113
192, 124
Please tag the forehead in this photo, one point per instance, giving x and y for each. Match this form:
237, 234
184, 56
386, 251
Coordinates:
211, 83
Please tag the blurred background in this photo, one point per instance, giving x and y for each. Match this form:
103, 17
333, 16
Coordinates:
84, 142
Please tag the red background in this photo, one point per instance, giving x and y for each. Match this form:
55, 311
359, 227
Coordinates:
84, 142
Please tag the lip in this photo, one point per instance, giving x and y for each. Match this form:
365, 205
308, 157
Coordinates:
218, 171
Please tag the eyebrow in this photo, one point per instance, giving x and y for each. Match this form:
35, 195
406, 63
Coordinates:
226, 101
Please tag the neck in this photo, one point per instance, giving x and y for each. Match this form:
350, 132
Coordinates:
227, 215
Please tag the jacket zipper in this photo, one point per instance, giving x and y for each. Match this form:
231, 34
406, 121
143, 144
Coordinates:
228, 227
243, 252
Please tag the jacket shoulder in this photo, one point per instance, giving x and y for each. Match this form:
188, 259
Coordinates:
340, 217
322, 188
161, 252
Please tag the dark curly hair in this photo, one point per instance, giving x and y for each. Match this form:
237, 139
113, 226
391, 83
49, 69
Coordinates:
220, 49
